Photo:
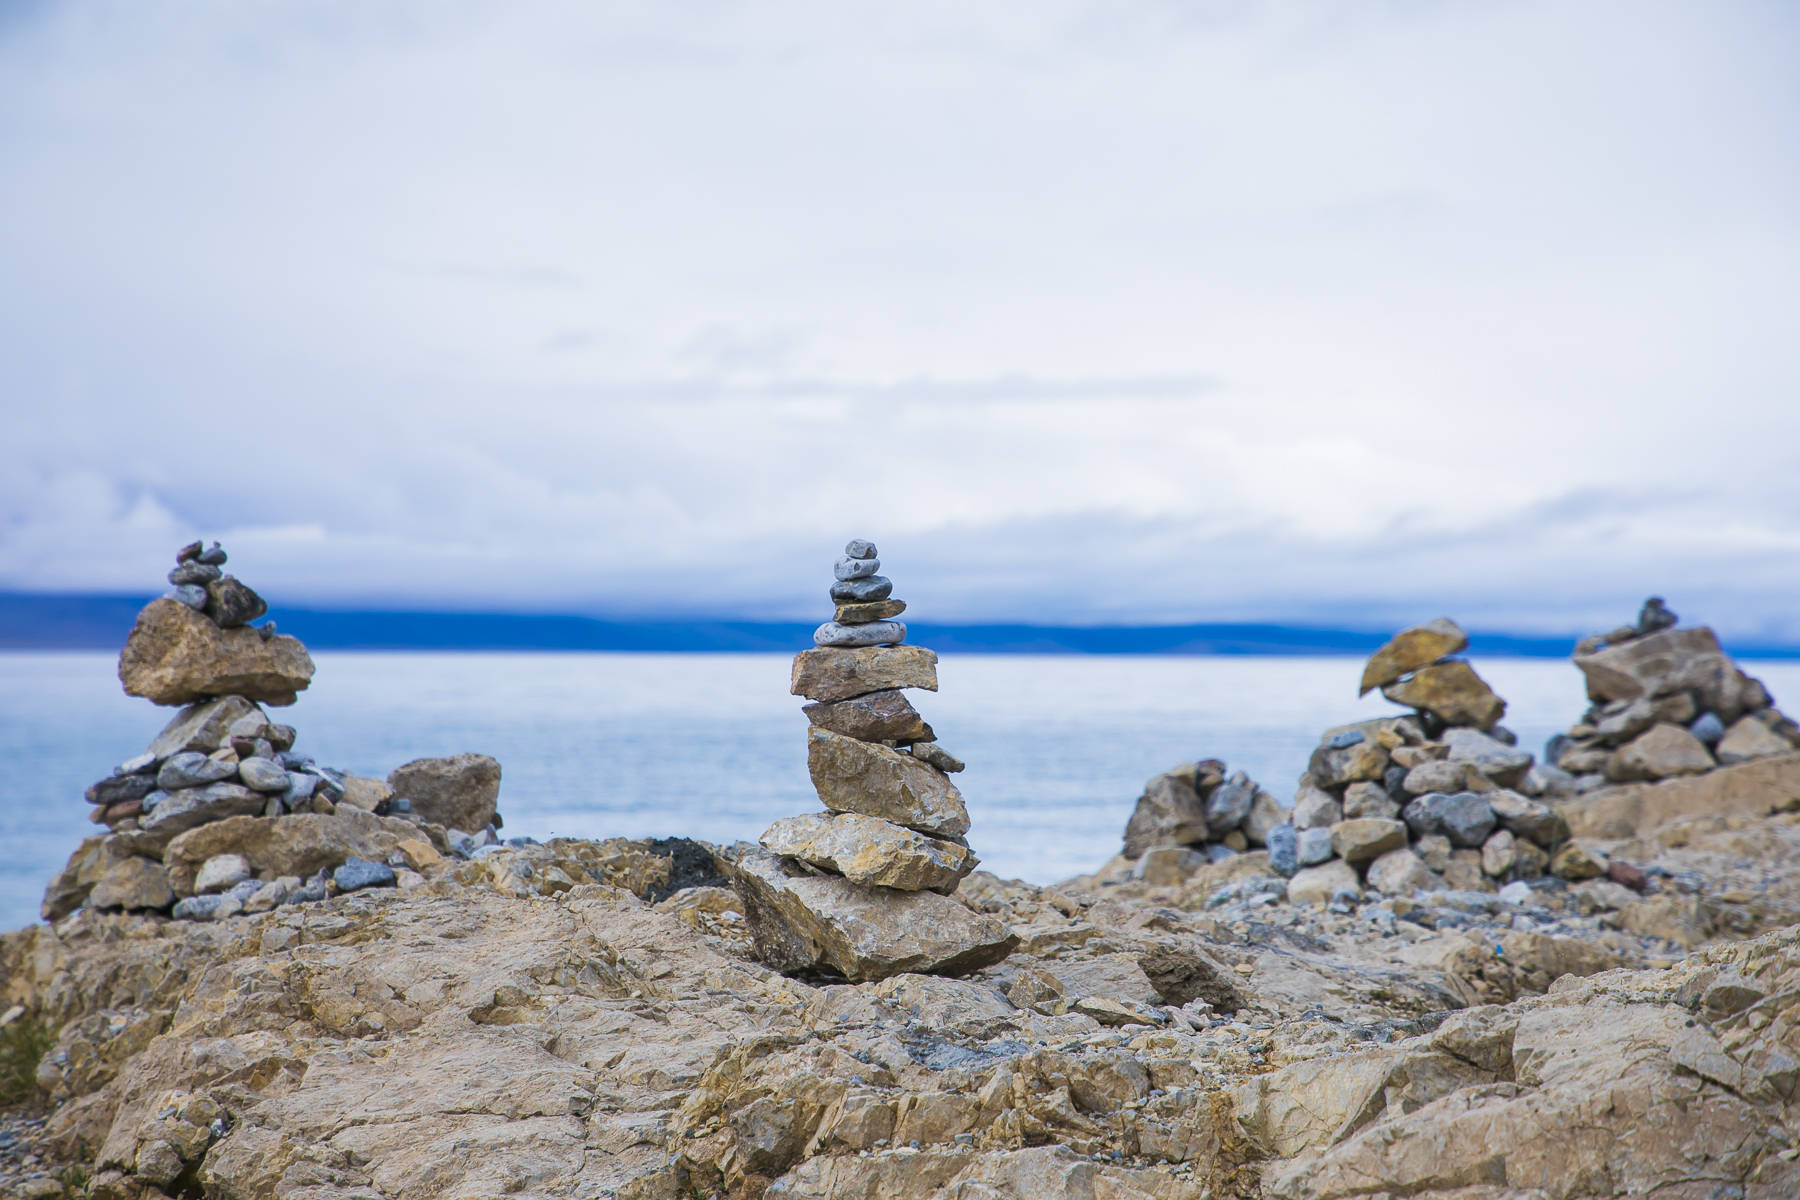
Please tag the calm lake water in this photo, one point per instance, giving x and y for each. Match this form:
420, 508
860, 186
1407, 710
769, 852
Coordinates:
712, 746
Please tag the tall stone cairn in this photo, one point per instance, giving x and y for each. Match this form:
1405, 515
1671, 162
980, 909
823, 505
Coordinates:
864, 889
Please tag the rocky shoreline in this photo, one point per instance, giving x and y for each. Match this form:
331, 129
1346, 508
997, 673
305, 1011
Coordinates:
1505, 982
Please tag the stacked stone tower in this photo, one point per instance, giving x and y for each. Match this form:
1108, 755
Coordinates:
863, 889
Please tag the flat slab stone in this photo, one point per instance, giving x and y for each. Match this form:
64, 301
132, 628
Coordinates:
300, 844
191, 808
873, 633
835, 674
860, 777
176, 656
1452, 692
871, 850
1751, 789
885, 716
857, 591
1654, 665
1411, 649
204, 726
806, 922
874, 610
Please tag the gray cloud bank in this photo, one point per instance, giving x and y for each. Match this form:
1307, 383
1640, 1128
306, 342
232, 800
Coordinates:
1086, 312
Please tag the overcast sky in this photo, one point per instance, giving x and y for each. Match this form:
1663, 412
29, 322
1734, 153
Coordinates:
1141, 310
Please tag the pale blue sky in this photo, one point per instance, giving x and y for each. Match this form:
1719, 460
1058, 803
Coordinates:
1084, 311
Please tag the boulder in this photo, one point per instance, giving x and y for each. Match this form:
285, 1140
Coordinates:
1411, 649
1452, 692
871, 850
191, 808
1657, 753
459, 792
1657, 664
1317, 885
805, 922
1362, 839
176, 655
1169, 813
1749, 738
301, 844
860, 777
1401, 873
884, 716
132, 883
203, 726
829, 675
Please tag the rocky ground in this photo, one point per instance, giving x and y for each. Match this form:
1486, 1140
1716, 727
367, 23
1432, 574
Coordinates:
585, 1019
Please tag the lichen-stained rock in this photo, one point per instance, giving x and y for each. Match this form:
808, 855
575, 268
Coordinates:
176, 655
871, 850
860, 777
1452, 692
459, 792
299, 844
829, 675
803, 921
1169, 813
884, 716
1411, 649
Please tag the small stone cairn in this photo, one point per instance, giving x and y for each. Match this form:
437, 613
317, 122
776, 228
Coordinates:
1194, 815
1439, 798
220, 815
1666, 701
863, 889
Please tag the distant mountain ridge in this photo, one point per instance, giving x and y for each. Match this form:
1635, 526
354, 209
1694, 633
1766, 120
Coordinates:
84, 621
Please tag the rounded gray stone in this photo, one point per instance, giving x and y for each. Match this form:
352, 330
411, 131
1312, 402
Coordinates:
857, 591
855, 568
359, 873
263, 775
191, 768
875, 633
859, 548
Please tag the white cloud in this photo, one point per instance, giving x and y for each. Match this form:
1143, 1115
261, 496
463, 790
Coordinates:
1090, 311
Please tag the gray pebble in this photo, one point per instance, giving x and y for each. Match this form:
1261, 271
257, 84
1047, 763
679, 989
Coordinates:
857, 591
856, 568
191, 768
215, 556
190, 594
359, 873
263, 775
1708, 728
193, 572
875, 633
859, 548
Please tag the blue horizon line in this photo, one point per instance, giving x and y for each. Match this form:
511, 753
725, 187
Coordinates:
90, 621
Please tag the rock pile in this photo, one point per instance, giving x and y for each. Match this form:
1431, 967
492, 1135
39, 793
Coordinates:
864, 889
1439, 798
1194, 815
220, 814
1666, 701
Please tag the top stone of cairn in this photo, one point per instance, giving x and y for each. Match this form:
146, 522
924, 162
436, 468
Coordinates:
865, 613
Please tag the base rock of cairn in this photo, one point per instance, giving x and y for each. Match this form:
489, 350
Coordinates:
220, 815
864, 889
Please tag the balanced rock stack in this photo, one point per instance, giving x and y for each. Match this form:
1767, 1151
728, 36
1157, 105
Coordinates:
1194, 815
863, 889
1667, 701
1439, 798
220, 815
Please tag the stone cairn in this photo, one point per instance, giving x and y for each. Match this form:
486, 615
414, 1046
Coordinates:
219, 815
863, 890
1195, 815
1666, 701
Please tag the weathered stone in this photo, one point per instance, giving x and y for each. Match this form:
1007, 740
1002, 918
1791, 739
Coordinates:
458, 792
213, 555
190, 594
1265, 813
1369, 799
802, 922
1466, 818
1464, 874
204, 726
1434, 851
860, 777
1312, 846
175, 655
1411, 649
862, 614
1317, 885
1505, 765
874, 633
1163, 866
828, 675
134, 884
1316, 809
855, 568
862, 591
1625, 724
859, 548
68, 889
301, 844
1749, 738
1365, 838
194, 573
1452, 692
1708, 729
262, 774
1401, 873
191, 808
191, 768
1755, 789
934, 755
370, 795
1579, 860
230, 603
1441, 775
1366, 759
1530, 819
1659, 752
359, 873
885, 716
1228, 805
221, 873
119, 788
1497, 853
1169, 813
871, 850
1284, 849
207, 908
1658, 664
